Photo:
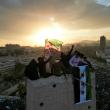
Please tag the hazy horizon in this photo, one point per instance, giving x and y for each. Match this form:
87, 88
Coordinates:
30, 22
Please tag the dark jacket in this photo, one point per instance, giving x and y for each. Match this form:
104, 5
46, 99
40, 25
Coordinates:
31, 70
42, 66
65, 58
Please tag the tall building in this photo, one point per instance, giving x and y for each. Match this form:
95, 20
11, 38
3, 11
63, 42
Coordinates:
104, 51
103, 43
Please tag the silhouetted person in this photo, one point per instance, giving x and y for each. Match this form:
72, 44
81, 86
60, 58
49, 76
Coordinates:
42, 66
31, 70
66, 57
88, 62
81, 62
74, 60
58, 68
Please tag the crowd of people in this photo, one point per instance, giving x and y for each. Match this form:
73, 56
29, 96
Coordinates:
67, 64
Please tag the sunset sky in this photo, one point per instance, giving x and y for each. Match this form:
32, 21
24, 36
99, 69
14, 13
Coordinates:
29, 22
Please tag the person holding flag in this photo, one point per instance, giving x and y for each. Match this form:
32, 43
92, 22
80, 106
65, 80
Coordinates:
53, 44
53, 48
82, 78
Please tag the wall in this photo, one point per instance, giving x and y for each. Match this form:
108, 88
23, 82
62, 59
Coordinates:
55, 93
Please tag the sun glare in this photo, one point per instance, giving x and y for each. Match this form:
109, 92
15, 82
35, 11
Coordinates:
54, 32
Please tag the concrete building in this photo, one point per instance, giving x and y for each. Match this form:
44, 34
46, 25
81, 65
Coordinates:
102, 43
107, 55
104, 51
56, 93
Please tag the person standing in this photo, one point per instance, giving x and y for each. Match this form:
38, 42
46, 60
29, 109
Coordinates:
66, 57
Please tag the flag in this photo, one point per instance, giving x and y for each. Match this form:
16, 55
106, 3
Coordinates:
88, 86
53, 48
54, 44
82, 84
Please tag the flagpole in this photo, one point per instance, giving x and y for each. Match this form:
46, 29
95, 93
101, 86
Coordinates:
45, 45
46, 41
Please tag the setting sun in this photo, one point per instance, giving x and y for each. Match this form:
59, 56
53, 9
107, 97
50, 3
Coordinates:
53, 32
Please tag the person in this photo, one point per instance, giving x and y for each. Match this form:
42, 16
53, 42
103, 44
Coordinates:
81, 61
65, 58
31, 70
88, 62
75, 59
42, 66
58, 68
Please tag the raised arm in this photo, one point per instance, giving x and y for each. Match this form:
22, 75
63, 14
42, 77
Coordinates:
69, 53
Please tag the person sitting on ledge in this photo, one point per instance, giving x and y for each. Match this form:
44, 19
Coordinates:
31, 70
57, 68
42, 66
74, 60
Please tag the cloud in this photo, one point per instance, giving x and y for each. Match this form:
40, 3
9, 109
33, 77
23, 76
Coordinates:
21, 17
10, 3
103, 2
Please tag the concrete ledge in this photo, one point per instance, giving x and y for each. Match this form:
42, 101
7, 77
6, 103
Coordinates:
55, 93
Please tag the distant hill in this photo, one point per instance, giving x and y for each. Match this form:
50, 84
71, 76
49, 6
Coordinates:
92, 43
88, 43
